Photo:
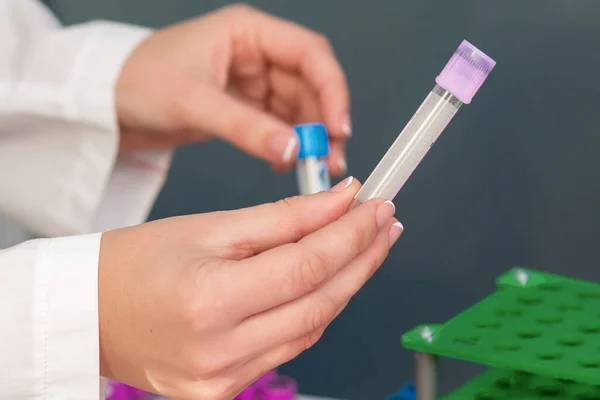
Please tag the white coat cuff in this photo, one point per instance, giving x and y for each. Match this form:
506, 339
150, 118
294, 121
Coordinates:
67, 301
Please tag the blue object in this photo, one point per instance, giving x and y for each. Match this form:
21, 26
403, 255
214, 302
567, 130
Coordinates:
314, 141
407, 392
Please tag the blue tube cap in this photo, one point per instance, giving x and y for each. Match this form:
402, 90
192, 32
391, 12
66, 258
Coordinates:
313, 140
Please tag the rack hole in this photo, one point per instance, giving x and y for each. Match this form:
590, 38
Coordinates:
466, 340
530, 300
589, 295
548, 390
507, 346
524, 373
589, 363
588, 396
549, 319
512, 312
569, 307
529, 333
590, 328
550, 287
550, 355
487, 324
504, 383
570, 341
565, 381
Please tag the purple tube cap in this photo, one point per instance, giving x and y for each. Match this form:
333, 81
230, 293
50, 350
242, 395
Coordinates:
465, 72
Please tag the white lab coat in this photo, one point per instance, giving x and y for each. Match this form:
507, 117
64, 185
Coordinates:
61, 177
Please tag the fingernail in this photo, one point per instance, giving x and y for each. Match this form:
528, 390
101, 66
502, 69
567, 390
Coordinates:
385, 211
282, 147
347, 126
395, 232
342, 164
343, 184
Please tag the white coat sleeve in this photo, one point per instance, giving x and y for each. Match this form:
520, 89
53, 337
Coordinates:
60, 171
61, 174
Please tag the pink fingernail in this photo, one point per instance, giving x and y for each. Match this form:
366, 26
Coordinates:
282, 147
343, 184
342, 164
395, 232
347, 126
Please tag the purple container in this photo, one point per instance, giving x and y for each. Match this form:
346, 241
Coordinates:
281, 388
120, 391
266, 379
117, 391
250, 393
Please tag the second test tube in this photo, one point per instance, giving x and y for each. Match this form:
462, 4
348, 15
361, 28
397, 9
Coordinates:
313, 150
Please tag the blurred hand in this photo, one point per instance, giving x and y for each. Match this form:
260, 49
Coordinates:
239, 75
199, 307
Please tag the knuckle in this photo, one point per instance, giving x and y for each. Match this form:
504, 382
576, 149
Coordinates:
199, 313
312, 269
210, 390
320, 314
372, 265
323, 41
380, 257
242, 249
288, 204
311, 339
290, 207
208, 366
240, 9
190, 310
363, 236
180, 110
202, 368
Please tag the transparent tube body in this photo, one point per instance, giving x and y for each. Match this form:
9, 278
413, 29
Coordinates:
407, 151
313, 175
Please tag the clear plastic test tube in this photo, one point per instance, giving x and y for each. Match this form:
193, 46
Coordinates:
456, 85
311, 166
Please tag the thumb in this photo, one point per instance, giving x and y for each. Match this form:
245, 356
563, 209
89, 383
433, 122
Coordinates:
248, 128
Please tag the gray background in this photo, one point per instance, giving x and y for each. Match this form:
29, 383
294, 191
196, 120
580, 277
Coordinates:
513, 180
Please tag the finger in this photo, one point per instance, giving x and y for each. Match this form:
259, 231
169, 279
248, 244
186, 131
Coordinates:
316, 310
290, 271
280, 109
337, 158
251, 130
237, 93
244, 233
299, 49
293, 95
290, 89
258, 366
232, 381
254, 89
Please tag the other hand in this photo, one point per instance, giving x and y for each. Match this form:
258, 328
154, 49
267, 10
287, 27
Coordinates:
239, 75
